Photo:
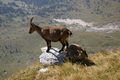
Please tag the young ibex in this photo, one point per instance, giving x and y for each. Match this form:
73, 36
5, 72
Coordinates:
52, 34
75, 52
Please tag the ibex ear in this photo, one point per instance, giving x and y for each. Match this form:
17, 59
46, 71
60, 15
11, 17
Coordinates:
78, 51
84, 50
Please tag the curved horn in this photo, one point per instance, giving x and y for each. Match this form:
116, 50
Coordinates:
31, 19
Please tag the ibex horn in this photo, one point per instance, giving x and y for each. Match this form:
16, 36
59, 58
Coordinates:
31, 19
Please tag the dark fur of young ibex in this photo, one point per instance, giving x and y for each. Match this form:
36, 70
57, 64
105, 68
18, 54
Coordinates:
75, 52
54, 34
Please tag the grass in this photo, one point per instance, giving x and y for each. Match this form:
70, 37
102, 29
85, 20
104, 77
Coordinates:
107, 67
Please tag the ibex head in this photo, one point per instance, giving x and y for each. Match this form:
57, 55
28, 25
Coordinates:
32, 26
84, 53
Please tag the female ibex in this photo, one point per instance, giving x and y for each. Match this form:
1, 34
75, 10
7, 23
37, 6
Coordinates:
52, 34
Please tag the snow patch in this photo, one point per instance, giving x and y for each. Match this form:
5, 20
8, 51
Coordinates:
74, 21
80, 25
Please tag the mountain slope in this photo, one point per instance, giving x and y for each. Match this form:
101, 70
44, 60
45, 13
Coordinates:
19, 49
87, 10
107, 66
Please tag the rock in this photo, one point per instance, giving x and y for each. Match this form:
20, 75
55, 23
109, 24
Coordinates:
43, 70
52, 57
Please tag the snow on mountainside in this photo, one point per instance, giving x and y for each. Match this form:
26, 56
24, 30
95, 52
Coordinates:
80, 25
74, 21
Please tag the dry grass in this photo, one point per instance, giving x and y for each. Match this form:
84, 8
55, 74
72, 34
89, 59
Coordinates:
107, 67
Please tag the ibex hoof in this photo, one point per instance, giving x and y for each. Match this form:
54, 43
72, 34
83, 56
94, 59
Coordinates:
47, 51
60, 50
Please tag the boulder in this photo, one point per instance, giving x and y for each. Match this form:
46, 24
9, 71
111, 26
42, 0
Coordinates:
52, 57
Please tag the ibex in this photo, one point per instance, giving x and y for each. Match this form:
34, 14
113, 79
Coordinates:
54, 34
75, 52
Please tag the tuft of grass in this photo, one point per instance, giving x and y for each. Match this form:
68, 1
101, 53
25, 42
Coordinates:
107, 67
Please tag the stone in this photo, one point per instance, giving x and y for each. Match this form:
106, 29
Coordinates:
43, 70
52, 57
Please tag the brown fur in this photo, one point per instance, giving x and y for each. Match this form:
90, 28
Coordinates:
52, 34
75, 52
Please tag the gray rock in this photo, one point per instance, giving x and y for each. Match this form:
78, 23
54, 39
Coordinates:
52, 57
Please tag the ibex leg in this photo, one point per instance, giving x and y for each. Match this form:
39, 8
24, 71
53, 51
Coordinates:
67, 44
63, 45
48, 45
